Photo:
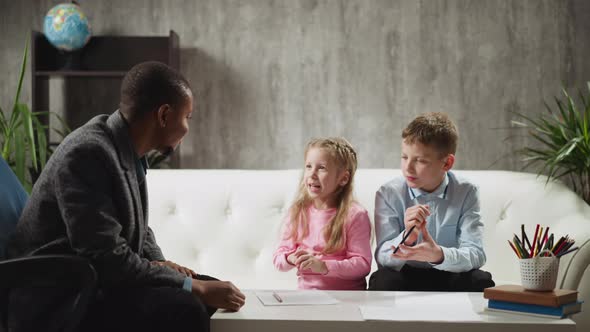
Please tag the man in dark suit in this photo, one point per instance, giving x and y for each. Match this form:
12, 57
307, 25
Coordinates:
91, 201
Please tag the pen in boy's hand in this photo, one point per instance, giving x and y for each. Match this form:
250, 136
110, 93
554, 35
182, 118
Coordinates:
404, 238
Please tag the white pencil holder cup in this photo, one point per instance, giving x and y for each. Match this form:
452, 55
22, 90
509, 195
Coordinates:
539, 273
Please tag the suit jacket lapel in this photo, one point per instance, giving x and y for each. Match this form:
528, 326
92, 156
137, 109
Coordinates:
143, 189
144, 199
120, 131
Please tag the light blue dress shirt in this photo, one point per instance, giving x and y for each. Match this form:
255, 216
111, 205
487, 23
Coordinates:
187, 285
454, 223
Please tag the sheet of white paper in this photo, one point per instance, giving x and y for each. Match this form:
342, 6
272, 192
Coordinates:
299, 297
436, 307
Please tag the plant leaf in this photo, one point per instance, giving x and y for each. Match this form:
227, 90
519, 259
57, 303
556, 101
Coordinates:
544, 141
20, 156
42, 139
29, 134
519, 124
3, 123
23, 69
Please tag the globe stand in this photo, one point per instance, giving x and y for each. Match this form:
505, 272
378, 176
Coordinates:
73, 60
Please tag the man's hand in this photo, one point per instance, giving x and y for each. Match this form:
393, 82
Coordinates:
415, 216
309, 261
426, 251
184, 270
219, 294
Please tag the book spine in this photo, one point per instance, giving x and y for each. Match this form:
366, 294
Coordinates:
523, 299
521, 313
528, 308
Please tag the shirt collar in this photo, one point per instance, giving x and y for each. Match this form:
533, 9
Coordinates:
440, 191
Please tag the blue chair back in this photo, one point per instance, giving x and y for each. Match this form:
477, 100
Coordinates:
12, 201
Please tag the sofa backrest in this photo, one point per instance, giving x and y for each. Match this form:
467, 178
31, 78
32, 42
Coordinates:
226, 223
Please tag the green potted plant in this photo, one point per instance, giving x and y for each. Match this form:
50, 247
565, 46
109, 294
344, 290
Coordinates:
23, 136
561, 142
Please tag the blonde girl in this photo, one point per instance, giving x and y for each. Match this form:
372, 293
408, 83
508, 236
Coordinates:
327, 233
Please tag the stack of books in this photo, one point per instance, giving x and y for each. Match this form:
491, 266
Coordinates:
557, 303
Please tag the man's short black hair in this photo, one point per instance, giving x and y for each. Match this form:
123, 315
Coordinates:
149, 85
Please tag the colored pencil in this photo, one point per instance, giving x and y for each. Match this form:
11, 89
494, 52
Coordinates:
545, 237
567, 252
542, 241
525, 239
534, 241
560, 246
515, 251
518, 246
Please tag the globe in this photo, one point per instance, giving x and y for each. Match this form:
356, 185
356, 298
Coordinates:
66, 27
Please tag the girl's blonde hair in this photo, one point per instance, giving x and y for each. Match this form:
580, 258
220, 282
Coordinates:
343, 155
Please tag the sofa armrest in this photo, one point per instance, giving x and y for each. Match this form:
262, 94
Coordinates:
576, 267
577, 276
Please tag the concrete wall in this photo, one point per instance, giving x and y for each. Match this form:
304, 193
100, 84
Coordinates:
270, 75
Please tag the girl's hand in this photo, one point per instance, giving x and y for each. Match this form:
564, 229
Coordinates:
311, 262
292, 258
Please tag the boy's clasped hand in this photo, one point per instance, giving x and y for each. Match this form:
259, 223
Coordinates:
428, 250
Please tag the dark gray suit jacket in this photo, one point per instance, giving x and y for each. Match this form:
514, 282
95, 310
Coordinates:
88, 202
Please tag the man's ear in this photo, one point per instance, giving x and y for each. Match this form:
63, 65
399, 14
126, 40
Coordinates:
163, 114
449, 162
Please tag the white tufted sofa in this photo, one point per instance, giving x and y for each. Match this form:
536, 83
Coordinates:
226, 223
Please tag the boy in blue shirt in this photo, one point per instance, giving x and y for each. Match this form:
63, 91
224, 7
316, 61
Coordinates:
444, 251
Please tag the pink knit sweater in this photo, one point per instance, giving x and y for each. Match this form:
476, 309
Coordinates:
347, 268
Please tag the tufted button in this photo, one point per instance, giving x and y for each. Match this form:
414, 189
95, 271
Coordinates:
172, 209
228, 211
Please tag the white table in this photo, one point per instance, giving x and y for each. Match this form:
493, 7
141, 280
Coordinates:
346, 316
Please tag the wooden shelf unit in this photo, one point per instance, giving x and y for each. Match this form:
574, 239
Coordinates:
102, 62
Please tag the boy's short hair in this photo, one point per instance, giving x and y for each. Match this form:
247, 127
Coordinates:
433, 129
